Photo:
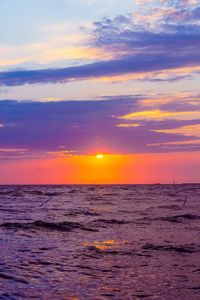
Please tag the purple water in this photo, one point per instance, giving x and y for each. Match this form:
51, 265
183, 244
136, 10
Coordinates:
100, 242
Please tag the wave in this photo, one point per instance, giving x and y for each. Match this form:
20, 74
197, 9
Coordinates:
110, 221
6, 192
21, 192
191, 248
173, 207
145, 250
173, 219
90, 251
179, 218
196, 288
42, 193
59, 226
81, 212
9, 277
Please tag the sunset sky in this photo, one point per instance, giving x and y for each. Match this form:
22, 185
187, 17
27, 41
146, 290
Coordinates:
85, 77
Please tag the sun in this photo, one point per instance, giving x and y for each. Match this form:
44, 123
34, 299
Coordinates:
99, 156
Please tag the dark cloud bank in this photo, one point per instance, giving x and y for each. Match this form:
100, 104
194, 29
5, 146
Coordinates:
83, 126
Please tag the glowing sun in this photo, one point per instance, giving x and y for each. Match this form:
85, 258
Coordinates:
99, 156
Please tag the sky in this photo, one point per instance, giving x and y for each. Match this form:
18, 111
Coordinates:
82, 77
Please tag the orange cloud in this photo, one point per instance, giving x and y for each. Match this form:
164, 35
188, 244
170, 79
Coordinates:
191, 130
128, 125
158, 114
156, 100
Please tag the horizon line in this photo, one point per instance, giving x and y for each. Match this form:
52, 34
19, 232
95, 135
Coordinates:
83, 184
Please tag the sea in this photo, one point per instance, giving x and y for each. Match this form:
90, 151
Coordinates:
96, 242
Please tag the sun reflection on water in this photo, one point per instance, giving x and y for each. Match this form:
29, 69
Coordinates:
106, 245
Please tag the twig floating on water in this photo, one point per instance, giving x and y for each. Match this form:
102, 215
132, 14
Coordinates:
45, 202
185, 201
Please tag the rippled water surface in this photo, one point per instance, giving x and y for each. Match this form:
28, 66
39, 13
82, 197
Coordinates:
100, 242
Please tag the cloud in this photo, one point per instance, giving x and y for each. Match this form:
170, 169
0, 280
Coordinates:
38, 129
169, 32
168, 3
135, 64
51, 52
162, 115
190, 130
157, 44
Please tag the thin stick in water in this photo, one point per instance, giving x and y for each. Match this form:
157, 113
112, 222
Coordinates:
45, 202
185, 200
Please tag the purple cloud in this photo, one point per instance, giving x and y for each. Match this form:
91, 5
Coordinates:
82, 126
168, 42
127, 65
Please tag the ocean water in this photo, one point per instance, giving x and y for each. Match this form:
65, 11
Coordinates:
100, 242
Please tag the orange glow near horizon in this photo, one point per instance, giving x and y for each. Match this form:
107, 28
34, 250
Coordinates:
112, 169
